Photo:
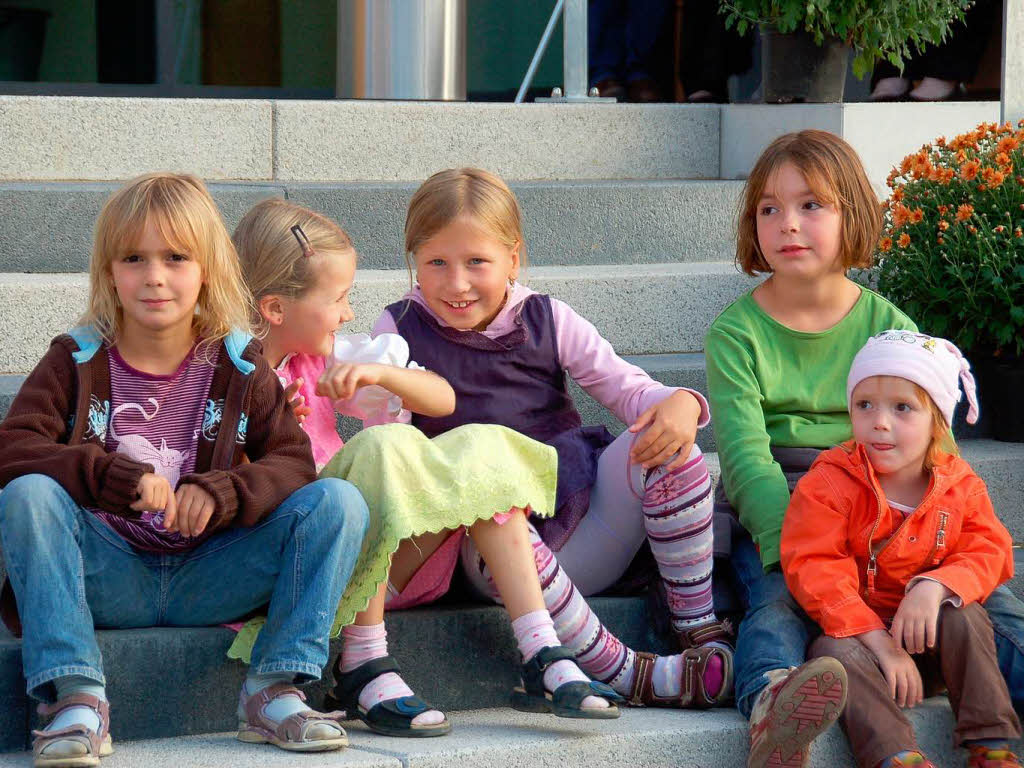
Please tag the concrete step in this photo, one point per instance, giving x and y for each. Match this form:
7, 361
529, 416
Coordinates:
457, 657
503, 737
49, 224
640, 309
100, 138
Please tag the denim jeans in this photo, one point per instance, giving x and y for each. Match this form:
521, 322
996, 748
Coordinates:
70, 573
775, 632
620, 37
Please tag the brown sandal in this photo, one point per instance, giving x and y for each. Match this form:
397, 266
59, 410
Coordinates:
696, 656
93, 744
292, 733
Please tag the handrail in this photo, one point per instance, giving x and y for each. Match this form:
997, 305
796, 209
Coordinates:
574, 56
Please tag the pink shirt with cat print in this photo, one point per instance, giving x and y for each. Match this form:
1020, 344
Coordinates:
158, 420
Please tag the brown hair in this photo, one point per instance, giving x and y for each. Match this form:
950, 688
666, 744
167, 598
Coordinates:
457, 192
941, 439
183, 212
835, 173
273, 258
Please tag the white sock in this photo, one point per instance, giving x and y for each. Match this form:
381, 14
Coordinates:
536, 630
68, 686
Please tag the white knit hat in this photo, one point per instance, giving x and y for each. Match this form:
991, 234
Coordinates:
936, 365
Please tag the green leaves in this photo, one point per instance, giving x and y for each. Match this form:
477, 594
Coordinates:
876, 29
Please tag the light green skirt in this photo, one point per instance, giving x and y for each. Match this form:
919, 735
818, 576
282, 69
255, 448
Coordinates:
415, 485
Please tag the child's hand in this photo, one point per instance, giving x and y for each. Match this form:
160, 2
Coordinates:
155, 495
340, 382
194, 508
297, 401
671, 428
915, 625
903, 677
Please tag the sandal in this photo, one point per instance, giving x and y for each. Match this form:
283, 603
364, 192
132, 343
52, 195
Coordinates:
567, 699
292, 733
92, 745
693, 694
393, 717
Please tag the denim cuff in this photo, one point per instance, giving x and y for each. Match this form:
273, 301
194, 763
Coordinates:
37, 684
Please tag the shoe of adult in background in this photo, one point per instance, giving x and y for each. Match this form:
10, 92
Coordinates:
891, 89
611, 89
644, 91
934, 89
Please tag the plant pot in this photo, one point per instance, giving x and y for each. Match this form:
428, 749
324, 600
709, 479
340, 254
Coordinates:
1000, 385
795, 69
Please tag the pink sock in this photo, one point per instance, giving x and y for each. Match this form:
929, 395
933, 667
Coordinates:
363, 644
535, 631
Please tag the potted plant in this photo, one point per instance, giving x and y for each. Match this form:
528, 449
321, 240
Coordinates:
806, 43
952, 257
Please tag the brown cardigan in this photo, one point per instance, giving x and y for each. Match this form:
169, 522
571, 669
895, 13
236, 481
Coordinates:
250, 461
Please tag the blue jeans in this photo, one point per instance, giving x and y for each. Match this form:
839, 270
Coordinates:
71, 572
620, 38
775, 632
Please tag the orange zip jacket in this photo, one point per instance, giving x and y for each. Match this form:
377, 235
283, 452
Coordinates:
848, 556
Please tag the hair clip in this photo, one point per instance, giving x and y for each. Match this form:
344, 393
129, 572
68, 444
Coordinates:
304, 244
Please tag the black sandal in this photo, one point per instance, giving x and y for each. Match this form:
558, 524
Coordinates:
392, 717
566, 700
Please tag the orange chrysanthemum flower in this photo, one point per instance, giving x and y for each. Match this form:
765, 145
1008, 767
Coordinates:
916, 216
943, 225
1007, 144
969, 170
972, 229
940, 241
943, 209
885, 245
900, 215
964, 212
1018, 232
904, 240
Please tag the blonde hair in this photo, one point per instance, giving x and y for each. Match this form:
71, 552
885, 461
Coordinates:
181, 209
835, 174
464, 192
273, 259
941, 438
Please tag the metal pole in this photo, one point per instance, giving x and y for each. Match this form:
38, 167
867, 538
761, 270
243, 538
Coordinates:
575, 29
1011, 88
166, 41
539, 53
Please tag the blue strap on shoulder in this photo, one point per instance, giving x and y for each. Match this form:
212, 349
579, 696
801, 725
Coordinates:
235, 343
88, 340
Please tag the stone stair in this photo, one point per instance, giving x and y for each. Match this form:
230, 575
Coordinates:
627, 219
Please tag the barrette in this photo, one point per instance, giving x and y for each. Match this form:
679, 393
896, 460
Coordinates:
304, 244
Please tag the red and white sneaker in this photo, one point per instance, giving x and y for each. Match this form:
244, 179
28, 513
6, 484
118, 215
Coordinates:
791, 712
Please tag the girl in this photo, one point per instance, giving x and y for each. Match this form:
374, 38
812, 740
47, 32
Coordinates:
777, 358
506, 349
889, 543
102, 527
300, 267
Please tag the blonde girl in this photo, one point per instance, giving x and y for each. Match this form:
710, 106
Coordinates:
300, 267
506, 349
150, 460
890, 544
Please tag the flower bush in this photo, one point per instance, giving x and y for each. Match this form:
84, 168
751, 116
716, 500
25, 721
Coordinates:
952, 250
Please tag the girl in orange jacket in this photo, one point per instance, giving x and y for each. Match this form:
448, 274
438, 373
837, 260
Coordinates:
890, 543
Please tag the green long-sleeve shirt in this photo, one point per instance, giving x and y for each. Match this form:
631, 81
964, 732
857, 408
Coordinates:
770, 385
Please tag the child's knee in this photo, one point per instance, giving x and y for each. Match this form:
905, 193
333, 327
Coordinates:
38, 500
341, 502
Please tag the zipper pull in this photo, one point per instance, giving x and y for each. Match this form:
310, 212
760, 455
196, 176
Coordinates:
940, 537
872, 570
